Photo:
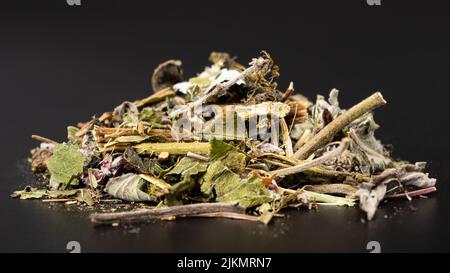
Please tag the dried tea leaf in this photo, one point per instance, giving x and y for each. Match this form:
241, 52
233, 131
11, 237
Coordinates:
72, 133
370, 197
188, 168
85, 196
215, 169
61, 194
167, 74
142, 164
406, 174
126, 112
266, 213
219, 149
150, 115
33, 193
331, 108
249, 192
369, 153
93, 182
235, 161
228, 186
66, 164
130, 187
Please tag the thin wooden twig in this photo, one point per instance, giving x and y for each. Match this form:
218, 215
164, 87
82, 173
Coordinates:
288, 92
313, 163
229, 215
173, 148
413, 193
196, 156
286, 138
322, 197
43, 139
60, 200
183, 210
327, 134
157, 182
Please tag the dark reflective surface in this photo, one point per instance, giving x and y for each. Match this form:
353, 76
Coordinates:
60, 65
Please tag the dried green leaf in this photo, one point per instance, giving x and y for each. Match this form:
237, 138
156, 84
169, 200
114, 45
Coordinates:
369, 153
33, 193
71, 133
127, 112
215, 169
142, 164
230, 156
85, 196
92, 179
150, 115
66, 164
249, 192
266, 213
219, 149
129, 187
188, 169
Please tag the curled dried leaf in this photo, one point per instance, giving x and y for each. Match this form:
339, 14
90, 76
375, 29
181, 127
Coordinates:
167, 74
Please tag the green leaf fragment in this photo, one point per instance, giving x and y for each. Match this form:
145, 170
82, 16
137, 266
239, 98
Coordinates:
369, 153
223, 179
71, 133
92, 179
129, 187
249, 192
228, 186
266, 213
220, 149
33, 193
85, 196
65, 164
188, 169
148, 114
142, 164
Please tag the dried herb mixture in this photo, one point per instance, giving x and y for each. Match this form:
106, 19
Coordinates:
225, 143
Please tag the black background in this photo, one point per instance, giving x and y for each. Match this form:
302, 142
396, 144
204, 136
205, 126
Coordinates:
61, 64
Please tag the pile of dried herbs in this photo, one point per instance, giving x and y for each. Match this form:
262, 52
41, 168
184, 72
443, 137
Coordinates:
225, 143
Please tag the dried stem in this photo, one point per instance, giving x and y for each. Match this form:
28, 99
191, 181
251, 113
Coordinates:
288, 92
413, 193
157, 182
57, 200
183, 210
321, 197
196, 156
313, 163
43, 139
229, 215
173, 148
333, 188
328, 132
286, 138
